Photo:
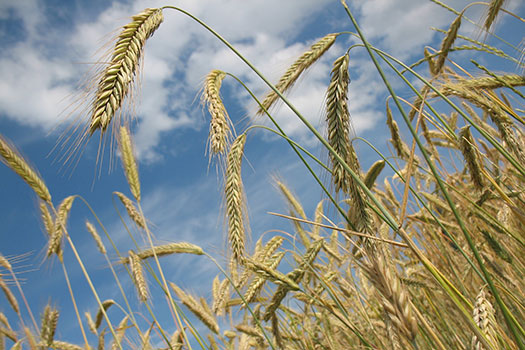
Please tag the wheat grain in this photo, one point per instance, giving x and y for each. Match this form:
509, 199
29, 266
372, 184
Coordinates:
297, 68
91, 229
220, 131
138, 276
177, 340
235, 204
11, 157
116, 79
132, 211
129, 163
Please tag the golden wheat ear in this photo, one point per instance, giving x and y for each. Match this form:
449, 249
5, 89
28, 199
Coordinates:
306, 60
119, 75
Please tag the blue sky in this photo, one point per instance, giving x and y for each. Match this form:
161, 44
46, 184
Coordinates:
48, 46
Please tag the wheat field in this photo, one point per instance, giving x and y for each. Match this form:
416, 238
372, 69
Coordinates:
422, 250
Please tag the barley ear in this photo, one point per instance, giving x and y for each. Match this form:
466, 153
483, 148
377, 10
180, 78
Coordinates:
297, 68
117, 78
235, 204
220, 132
16, 162
129, 163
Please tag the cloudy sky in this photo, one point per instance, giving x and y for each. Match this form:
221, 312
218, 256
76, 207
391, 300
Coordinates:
49, 48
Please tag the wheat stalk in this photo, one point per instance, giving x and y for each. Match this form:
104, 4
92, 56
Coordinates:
297, 68
235, 199
17, 163
117, 78
129, 163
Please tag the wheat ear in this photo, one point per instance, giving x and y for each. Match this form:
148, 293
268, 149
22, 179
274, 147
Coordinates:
129, 163
167, 249
117, 78
338, 120
16, 162
62, 345
220, 132
138, 276
121, 331
447, 43
49, 325
55, 240
132, 211
297, 68
235, 205
483, 314
471, 154
9, 296
106, 304
196, 308
494, 8
92, 230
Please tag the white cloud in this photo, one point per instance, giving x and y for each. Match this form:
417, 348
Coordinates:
38, 74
